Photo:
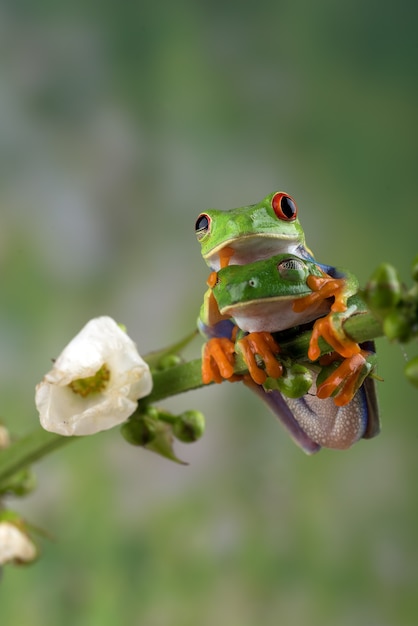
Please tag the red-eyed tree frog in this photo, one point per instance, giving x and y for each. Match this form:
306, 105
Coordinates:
250, 233
258, 293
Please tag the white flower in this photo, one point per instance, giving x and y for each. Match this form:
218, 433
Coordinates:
95, 382
15, 545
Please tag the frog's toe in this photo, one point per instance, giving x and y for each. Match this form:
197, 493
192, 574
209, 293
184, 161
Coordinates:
218, 360
322, 288
330, 328
263, 345
344, 382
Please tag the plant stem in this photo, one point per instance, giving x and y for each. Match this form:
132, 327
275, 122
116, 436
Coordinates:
170, 382
28, 450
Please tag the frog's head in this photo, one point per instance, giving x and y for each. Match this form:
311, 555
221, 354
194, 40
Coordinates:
250, 233
260, 296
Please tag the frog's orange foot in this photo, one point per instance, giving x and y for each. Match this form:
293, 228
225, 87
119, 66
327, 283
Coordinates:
324, 287
218, 360
263, 345
330, 328
344, 382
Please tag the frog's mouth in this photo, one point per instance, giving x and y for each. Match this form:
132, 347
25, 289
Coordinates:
250, 248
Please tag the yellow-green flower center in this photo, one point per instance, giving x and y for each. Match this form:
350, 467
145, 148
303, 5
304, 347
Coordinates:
91, 384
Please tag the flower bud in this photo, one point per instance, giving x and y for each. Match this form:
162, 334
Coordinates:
168, 361
15, 544
189, 426
20, 484
139, 431
4, 437
411, 371
396, 326
383, 291
151, 433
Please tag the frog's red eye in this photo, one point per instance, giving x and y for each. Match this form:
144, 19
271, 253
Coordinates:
284, 206
202, 226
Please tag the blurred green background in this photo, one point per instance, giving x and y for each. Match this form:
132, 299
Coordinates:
120, 122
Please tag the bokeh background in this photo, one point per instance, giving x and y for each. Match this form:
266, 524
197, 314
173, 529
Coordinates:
120, 122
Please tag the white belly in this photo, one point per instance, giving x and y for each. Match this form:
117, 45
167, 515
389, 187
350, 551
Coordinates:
272, 315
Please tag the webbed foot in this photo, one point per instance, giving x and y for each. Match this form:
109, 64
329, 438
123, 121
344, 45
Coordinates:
347, 378
263, 345
324, 287
218, 361
331, 329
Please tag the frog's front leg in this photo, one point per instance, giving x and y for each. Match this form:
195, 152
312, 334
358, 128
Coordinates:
218, 360
218, 354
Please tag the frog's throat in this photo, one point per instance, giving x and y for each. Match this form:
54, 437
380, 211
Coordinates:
252, 247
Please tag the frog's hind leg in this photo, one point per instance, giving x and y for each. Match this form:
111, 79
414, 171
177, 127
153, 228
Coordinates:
347, 378
278, 405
